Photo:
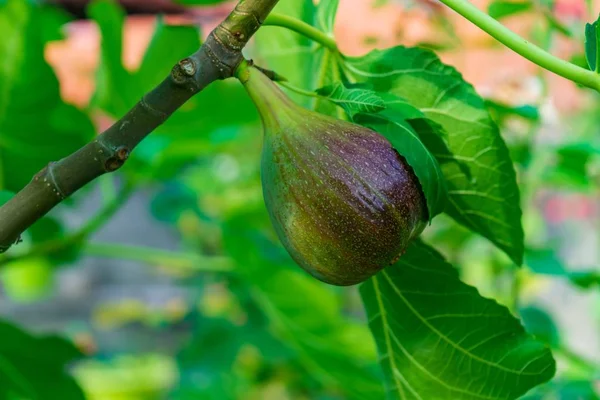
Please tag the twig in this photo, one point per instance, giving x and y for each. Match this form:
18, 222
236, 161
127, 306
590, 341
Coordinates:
302, 28
152, 256
216, 59
523, 47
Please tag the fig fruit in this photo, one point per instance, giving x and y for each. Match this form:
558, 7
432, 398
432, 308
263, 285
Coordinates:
342, 200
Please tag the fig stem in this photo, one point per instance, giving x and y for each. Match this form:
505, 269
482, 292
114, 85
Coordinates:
301, 91
301, 27
523, 47
268, 98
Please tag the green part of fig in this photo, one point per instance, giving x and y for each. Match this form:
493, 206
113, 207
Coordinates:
342, 200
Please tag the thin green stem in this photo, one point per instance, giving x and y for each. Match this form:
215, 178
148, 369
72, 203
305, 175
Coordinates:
300, 91
301, 27
521, 46
106, 213
159, 257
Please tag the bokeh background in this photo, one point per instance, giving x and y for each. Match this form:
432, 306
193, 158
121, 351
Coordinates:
168, 297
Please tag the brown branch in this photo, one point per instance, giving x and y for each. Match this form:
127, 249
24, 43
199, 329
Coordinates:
216, 59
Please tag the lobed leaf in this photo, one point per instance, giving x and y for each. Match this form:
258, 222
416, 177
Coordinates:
439, 339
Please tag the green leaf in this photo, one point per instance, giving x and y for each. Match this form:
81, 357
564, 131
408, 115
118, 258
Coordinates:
35, 125
172, 201
305, 313
326, 72
408, 144
482, 190
35, 367
287, 52
353, 100
116, 89
161, 55
546, 262
439, 339
326, 12
501, 111
539, 324
49, 228
301, 61
212, 355
592, 41
572, 167
585, 279
499, 9
387, 114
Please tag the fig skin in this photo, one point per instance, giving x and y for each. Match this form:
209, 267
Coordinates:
342, 200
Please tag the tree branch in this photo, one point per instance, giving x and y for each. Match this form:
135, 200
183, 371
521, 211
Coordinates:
216, 59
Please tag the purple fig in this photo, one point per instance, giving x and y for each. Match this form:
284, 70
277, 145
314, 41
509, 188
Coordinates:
342, 200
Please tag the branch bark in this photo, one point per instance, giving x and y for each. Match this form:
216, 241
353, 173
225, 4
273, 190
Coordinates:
216, 59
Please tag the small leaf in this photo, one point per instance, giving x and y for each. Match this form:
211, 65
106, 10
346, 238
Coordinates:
172, 201
528, 112
482, 188
572, 166
408, 144
500, 8
353, 100
326, 12
544, 261
35, 367
592, 41
439, 339
585, 279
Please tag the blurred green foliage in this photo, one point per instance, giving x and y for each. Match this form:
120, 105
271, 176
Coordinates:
256, 326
